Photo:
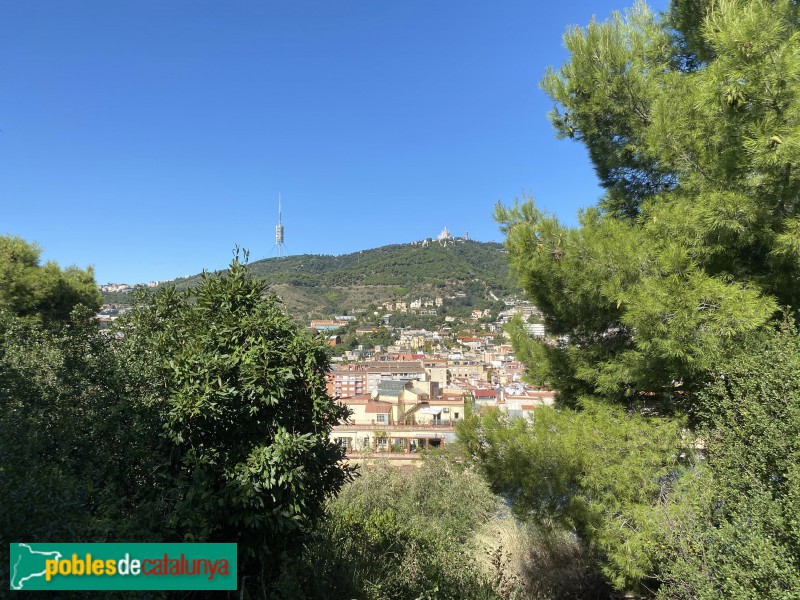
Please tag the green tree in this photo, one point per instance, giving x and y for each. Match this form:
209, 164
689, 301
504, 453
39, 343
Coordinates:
241, 391
42, 292
74, 444
639, 316
598, 472
77, 448
734, 531
696, 241
691, 120
381, 337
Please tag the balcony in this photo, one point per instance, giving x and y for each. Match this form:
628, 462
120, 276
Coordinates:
373, 425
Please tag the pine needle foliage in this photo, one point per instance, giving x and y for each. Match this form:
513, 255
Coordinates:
668, 302
697, 239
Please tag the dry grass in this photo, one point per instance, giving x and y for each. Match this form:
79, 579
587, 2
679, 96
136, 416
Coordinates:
304, 302
537, 563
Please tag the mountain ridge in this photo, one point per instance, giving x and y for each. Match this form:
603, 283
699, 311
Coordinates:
322, 284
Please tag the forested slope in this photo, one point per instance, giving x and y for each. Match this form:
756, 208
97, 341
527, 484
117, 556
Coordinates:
320, 284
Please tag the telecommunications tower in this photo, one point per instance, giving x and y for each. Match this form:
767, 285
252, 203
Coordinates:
279, 230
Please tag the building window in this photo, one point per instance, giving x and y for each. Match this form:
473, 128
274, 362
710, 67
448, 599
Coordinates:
383, 418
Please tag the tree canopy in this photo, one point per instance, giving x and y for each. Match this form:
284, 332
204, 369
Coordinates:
672, 454
246, 417
734, 532
43, 292
202, 417
690, 120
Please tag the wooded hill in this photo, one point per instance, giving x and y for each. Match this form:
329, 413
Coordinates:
313, 284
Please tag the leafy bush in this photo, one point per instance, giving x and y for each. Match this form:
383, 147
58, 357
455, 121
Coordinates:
391, 534
207, 420
736, 532
241, 392
599, 472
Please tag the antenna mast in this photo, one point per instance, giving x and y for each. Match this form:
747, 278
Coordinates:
279, 230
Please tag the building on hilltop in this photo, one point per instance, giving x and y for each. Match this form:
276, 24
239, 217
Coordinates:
444, 237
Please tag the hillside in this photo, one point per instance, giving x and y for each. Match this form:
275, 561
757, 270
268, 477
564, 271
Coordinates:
312, 284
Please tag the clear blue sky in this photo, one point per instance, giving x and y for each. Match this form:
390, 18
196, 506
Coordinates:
148, 137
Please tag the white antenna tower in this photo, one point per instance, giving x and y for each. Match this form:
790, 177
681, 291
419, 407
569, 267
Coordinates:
279, 230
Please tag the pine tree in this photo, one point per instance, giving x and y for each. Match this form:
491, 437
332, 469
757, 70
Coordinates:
697, 239
669, 298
